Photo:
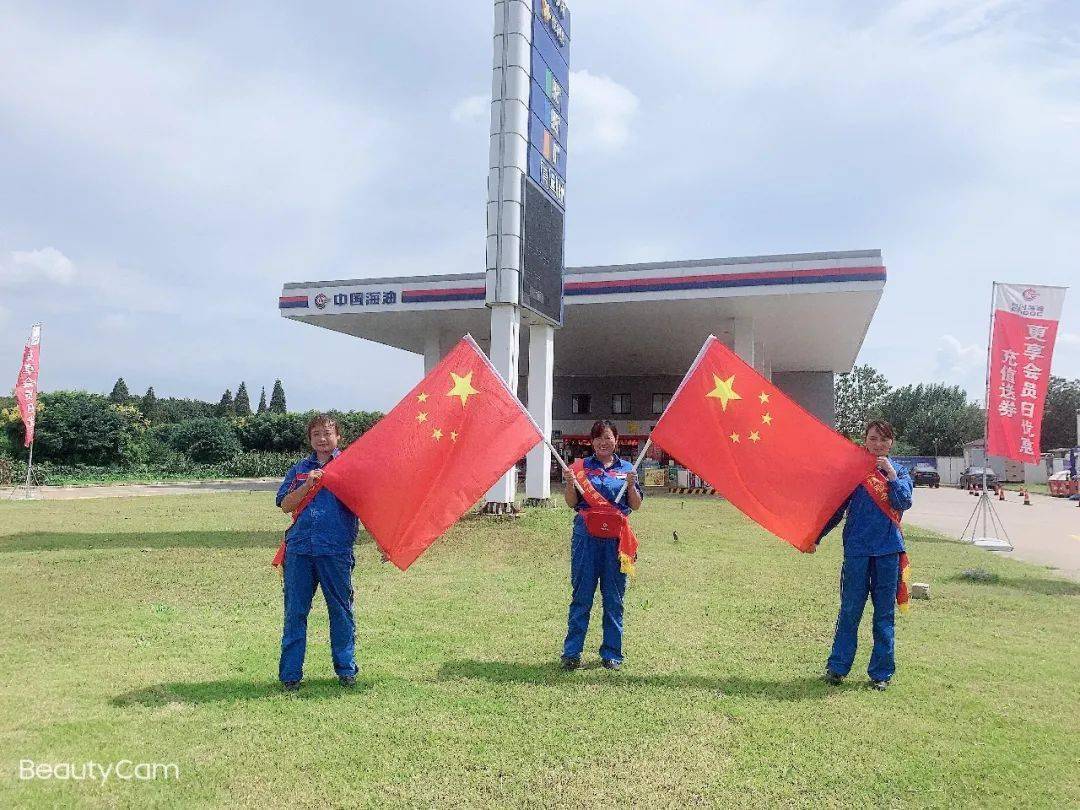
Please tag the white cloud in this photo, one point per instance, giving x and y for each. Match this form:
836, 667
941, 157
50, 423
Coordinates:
472, 110
955, 360
45, 264
1069, 339
178, 116
603, 113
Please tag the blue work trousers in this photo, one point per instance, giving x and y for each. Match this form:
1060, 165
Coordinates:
302, 574
876, 577
595, 561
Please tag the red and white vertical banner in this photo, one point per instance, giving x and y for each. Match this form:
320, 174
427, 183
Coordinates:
1022, 344
27, 386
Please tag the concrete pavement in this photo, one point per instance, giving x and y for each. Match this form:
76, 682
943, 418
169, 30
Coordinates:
1047, 532
136, 490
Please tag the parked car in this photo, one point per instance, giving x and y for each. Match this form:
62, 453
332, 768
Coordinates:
974, 475
925, 475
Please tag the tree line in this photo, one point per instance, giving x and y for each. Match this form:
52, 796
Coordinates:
90, 436
228, 406
934, 419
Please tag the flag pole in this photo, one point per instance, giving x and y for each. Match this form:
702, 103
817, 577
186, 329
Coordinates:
637, 463
986, 392
565, 467
984, 509
29, 467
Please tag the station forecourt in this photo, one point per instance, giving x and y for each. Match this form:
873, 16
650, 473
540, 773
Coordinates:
629, 334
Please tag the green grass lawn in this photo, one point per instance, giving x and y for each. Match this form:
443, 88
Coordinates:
1041, 489
147, 629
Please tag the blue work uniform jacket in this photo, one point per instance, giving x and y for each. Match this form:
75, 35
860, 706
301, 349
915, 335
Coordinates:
608, 482
869, 532
326, 526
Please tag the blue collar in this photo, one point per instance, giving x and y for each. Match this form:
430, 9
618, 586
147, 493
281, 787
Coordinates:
593, 461
314, 457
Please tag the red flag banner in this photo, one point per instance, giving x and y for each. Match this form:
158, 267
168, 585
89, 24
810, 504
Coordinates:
1022, 343
775, 462
429, 460
26, 387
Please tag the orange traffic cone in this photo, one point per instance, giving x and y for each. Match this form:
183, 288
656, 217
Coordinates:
1001, 492
1027, 498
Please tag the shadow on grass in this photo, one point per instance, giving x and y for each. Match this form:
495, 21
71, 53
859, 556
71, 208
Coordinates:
164, 694
551, 674
85, 541
1044, 586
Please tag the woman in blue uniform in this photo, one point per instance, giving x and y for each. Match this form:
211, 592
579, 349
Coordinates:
319, 552
873, 546
595, 560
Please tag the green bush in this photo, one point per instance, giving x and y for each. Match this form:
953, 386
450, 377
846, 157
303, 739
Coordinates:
259, 465
207, 441
353, 424
273, 432
14, 473
74, 427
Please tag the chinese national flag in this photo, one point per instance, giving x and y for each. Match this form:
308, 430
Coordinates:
774, 461
429, 460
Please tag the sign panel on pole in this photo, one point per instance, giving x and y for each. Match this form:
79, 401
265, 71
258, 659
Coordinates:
1022, 344
26, 387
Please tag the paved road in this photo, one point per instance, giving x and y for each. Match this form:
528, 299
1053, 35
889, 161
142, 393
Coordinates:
1047, 532
135, 490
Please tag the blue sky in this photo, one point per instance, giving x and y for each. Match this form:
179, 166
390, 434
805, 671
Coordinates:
166, 167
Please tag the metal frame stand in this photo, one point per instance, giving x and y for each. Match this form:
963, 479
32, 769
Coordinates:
984, 511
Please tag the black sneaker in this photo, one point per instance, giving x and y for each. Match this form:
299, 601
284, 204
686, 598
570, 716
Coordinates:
832, 678
879, 686
291, 686
607, 664
570, 662
348, 681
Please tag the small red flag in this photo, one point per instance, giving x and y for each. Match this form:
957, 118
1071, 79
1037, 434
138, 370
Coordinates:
776, 463
429, 460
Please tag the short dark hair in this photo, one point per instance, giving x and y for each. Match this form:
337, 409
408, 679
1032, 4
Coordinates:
882, 427
322, 420
600, 425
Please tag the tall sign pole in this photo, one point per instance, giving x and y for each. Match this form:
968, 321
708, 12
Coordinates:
526, 187
26, 388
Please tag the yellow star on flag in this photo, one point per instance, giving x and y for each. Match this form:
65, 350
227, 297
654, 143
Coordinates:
453, 435
724, 391
767, 419
436, 434
763, 397
462, 388
422, 397
421, 417
735, 437
755, 436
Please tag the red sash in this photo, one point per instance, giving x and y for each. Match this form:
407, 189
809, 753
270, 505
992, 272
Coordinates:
279, 557
604, 520
877, 486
